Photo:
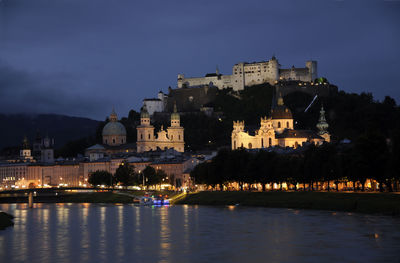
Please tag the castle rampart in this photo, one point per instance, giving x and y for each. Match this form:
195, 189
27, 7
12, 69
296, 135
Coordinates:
249, 74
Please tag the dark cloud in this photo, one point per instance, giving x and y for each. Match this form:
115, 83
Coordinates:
100, 53
23, 92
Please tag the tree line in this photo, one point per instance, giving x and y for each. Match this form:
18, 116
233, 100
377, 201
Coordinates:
126, 176
371, 156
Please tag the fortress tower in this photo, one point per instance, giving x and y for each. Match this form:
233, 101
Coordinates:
312, 69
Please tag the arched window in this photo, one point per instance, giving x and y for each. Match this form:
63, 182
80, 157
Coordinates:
149, 136
250, 146
279, 124
141, 136
270, 142
234, 145
287, 124
262, 143
179, 137
113, 140
106, 141
172, 137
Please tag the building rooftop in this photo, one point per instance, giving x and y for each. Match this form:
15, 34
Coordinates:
298, 134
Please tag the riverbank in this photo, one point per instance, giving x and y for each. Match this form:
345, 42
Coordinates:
92, 197
5, 220
370, 203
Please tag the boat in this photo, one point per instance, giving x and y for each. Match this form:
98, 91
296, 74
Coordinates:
147, 200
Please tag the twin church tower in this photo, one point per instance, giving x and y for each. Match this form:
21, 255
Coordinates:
114, 133
165, 139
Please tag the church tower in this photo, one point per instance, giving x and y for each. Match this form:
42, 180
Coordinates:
323, 126
25, 152
281, 115
145, 132
175, 131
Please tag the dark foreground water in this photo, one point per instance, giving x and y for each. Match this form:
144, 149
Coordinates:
125, 233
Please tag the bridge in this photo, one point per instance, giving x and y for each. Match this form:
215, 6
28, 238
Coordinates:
56, 194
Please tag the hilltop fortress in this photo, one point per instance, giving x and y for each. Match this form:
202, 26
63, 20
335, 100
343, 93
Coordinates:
249, 74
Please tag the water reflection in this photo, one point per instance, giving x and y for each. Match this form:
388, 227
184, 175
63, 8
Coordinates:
84, 241
123, 233
165, 232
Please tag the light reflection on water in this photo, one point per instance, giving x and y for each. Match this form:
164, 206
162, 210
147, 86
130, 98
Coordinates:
121, 233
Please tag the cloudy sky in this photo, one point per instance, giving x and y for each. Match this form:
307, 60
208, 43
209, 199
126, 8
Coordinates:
82, 57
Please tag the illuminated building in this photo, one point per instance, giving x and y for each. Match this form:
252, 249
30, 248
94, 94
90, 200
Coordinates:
278, 130
172, 138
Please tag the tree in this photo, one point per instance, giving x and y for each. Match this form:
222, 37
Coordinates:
262, 168
149, 174
394, 168
125, 175
370, 157
101, 178
161, 177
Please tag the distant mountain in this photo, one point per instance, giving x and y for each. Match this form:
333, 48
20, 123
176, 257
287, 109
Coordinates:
13, 127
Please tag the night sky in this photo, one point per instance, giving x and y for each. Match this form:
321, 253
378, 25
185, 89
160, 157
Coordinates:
82, 57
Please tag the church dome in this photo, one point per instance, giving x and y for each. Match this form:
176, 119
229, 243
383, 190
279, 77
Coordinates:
113, 127
280, 111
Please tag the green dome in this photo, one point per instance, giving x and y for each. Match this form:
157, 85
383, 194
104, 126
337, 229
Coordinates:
114, 128
175, 115
144, 113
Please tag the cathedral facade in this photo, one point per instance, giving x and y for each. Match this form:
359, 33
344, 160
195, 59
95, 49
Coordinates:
171, 138
277, 130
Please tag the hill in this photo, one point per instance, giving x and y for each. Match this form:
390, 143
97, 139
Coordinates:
60, 127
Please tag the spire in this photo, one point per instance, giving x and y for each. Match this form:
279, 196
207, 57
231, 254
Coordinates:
144, 113
322, 125
25, 143
175, 115
217, 70
113, 115
280, 99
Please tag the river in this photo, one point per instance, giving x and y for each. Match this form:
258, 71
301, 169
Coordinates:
126, 233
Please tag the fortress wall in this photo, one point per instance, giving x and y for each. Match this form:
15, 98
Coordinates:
301, 74
196, 81
223, 81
